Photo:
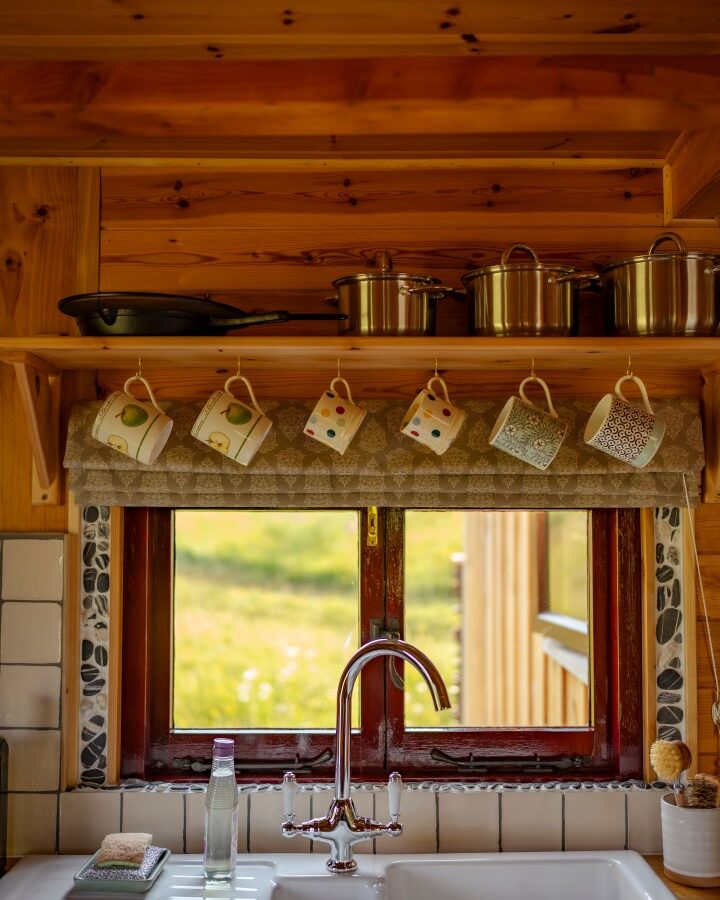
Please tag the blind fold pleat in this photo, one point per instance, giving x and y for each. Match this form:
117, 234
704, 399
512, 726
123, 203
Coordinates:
382, 467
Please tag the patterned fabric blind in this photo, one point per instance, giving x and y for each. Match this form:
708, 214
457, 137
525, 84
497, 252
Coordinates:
382, 467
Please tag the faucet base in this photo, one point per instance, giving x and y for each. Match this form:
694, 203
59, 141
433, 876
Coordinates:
341, 867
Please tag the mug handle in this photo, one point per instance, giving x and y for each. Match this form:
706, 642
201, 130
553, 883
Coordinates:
347, 387
249, 389
544, 387
442, 383
147, 388
643, 391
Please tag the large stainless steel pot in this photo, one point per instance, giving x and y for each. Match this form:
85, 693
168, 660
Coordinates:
523, 298
387, 302
666, 293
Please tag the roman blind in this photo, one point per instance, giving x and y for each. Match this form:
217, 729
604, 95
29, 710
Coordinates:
382, 467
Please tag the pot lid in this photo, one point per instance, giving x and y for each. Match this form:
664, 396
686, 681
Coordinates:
363, 277
506, 268
659, 256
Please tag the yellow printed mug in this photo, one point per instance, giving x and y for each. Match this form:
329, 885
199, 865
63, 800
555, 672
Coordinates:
134, 427
230, 426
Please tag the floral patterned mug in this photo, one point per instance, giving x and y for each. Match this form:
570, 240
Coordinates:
527, 432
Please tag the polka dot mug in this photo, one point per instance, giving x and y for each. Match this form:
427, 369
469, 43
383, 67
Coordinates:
432, 419
335, 419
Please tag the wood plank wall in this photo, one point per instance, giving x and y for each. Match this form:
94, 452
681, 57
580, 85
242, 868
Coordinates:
707, 526
276, 239
507, 678
49, 241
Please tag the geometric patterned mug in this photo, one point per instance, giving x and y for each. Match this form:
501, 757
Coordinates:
627, 432
527, 432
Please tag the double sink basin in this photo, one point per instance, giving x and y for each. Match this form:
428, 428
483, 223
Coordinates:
596, 875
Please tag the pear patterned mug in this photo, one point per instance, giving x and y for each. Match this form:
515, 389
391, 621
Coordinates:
134, 427
335, 420
230, 426
627, 432
433, 420
527, 432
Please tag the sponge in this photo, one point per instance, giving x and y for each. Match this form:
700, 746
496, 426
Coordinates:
124, 850
669, 759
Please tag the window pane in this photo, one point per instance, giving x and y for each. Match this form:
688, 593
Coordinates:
499, 601
265, 616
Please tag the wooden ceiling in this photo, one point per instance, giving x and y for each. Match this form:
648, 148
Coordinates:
545, 83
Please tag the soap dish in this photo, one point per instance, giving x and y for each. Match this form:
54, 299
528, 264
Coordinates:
119, 881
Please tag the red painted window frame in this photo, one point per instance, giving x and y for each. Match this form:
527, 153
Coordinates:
149, 747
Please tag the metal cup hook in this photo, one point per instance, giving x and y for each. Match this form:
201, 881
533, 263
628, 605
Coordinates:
138, 374
629, 366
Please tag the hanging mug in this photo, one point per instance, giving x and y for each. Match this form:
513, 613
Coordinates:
137, 428
335, 420
233, 428
627, 432
527, 432
433, 420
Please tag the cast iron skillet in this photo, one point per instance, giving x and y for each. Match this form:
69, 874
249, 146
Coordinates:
110, 313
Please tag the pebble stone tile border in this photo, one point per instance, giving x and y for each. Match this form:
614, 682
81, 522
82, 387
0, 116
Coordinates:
94, 652
669, 625
95, 621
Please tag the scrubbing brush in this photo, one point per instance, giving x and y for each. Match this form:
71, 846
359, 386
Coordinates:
703, 792
670, 759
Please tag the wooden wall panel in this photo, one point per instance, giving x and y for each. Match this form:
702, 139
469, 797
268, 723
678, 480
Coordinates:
337, 197
707, 525
49, 237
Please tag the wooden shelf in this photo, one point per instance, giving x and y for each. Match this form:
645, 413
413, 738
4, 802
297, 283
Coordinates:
681, 355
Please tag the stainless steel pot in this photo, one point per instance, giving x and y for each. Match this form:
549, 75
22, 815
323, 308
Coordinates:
523, 298
387, 302
665, 293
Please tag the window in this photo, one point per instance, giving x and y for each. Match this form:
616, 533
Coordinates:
241, 621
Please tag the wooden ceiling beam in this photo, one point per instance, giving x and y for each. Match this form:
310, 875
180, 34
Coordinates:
395, 100
695, 176
190, 29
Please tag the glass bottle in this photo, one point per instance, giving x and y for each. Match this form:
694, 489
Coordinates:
221, 814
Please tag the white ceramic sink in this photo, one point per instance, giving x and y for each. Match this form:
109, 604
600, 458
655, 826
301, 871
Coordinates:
611, 875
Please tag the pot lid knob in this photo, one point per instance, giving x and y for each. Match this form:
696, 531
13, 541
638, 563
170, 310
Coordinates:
384, 261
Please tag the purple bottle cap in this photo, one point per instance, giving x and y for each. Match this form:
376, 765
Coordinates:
224, 748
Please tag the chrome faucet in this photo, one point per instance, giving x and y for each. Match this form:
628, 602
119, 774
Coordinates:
341, 827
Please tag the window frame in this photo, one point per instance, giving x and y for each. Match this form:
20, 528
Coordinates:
149, 747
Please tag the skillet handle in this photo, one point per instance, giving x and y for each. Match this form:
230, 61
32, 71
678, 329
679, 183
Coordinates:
581, 278
281, 315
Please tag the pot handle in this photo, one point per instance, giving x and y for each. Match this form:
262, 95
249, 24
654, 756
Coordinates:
668, 236
522, 247
581, 278
333, 301
438, 291
714, 270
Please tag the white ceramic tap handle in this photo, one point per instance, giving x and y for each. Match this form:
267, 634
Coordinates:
395, 786
289, 789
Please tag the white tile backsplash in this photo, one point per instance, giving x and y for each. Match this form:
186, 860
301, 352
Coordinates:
30, 696
643, 808
34, 759
32, 569
32, 824
86, 817
266, 818
469, 822
161, 813
31, 633
531, 820
594, 820
418, 815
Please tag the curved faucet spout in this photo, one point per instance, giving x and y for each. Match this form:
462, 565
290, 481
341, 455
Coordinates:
371, 650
